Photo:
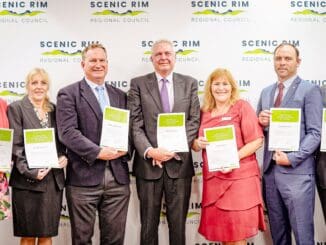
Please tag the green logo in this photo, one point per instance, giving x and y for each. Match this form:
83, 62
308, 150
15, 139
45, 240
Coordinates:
258, 51
114, 13
58, 52
214, 12
26, 13
309, 12
5, 93
191, 214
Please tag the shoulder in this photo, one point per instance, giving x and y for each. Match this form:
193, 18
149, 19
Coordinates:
71, 87
184, 77
148, 76
116, 90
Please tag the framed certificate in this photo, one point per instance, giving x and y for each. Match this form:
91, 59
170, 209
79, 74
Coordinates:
284, 129
40, 148
171, 132
222, 151
115, 128
6, 137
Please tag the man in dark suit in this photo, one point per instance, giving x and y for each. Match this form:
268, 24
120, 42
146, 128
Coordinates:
157, 170
97, 177
289, 177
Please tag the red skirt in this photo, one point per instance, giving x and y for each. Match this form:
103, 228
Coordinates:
232, 210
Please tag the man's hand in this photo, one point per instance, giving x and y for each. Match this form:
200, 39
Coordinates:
110, 153
159, 155
263, 118
281, 158
42, 173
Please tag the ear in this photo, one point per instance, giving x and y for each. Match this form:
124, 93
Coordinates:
298, 62
82, 64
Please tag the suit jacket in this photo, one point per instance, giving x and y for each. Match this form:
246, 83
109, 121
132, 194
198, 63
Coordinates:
79, 119
145, 105
321, 156
22, 116
307, 97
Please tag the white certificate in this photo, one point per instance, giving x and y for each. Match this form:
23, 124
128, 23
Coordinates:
323, 132
171, 132
115, 128
40, 148
222, 151
6, 136
284, 129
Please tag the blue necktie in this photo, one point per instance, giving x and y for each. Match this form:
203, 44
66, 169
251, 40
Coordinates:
101, 97
165, 96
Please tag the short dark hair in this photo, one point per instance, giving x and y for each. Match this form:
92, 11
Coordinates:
288, 44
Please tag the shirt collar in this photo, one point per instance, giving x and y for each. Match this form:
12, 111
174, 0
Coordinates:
169, 77
287, 83
92, 84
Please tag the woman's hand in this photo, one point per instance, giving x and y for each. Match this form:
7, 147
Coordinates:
42, 173
200, 144
63, 161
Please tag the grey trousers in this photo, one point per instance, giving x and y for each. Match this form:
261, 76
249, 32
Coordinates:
110, 200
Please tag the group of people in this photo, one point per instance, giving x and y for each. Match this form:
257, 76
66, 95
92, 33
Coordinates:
97, 177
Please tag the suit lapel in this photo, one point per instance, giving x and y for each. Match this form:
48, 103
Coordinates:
30, 113
291, 91
152, 87
87, 93
178, 88
113, 97
272, 95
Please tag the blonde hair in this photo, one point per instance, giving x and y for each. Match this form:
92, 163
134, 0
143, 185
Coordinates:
47, 106
209, 101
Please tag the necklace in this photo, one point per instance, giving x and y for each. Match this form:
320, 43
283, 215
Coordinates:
44, 119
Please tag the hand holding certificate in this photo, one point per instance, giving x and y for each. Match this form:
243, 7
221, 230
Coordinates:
171, 132
284, 129
222, 152
115, 128
40, 148
6, 136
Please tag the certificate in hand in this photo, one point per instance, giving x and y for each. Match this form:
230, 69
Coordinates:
284, 129
323, 132
5, 149
40, 148
222, 151
115, 128
171, 132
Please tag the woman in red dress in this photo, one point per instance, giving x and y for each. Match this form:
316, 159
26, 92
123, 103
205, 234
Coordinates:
4, 190
232, 205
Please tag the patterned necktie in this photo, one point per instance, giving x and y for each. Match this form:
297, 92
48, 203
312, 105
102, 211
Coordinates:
279, 97
165, 96
101, 96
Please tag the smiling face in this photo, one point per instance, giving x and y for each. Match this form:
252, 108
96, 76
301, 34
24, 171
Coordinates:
37, 88
163, 58
221, 90
286, 62
95, 65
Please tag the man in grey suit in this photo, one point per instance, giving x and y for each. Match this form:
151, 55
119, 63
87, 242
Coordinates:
157, 170
97, 177
289, 177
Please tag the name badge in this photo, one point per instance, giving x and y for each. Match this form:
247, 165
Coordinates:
226, 118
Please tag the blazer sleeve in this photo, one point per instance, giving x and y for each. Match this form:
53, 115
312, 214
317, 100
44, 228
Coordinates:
312, 113
140, 139
68, 127
16, 122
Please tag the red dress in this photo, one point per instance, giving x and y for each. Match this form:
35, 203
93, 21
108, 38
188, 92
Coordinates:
232, 205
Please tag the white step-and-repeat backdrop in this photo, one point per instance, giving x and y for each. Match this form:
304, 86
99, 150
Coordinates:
236, 34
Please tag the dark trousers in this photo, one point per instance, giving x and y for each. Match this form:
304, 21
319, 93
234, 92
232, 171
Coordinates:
290, 201
110, 200
177, 194
322, 197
